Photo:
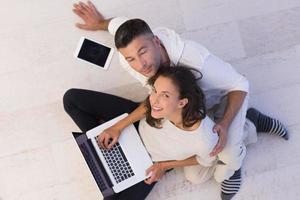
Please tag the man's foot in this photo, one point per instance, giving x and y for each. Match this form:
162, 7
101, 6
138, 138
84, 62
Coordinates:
267, 124
231, 186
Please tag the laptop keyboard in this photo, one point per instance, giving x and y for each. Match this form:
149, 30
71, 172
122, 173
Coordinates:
101, 184
117, 163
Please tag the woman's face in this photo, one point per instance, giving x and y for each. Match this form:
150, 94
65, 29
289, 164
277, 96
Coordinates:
164, 99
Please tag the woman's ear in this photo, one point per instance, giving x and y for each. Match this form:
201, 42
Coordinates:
183, 102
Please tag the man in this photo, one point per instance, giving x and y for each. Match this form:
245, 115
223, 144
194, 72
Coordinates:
142, 53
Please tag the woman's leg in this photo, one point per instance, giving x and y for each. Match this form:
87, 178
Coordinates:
89, 108
138, 191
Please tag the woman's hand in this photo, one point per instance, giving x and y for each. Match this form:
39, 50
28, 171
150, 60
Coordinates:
156, 171
109, 137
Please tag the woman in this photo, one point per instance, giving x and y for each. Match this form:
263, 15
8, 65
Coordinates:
176, 130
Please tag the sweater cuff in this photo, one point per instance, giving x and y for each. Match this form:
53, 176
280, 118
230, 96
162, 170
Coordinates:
115, 23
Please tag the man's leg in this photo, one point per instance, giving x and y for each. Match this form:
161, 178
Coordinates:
231, 186
89, 108
266, 124
231, 157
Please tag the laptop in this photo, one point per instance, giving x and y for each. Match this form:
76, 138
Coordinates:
121, 166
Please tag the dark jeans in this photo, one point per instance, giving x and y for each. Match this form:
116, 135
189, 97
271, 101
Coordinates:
138, 191
88, 109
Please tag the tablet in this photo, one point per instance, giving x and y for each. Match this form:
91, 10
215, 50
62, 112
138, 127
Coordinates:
94, 53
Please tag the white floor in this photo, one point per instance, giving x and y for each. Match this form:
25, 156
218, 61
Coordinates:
38, 156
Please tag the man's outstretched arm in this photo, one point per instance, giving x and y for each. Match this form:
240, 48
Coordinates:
92, 18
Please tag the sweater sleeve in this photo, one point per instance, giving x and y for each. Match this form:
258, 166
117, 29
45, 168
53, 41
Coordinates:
218, 74
115, 23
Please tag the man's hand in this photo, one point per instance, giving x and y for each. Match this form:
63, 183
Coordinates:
109, 137
93, 19
222, 130
157, 170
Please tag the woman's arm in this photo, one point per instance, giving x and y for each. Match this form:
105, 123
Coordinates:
158, 169
180, 163
114, 131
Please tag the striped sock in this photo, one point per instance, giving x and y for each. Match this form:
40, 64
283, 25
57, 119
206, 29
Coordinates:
231, 186
267, 124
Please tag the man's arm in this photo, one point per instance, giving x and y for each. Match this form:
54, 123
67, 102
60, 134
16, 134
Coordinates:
158, 169
235, 100
234, 103
92, 18
114, 131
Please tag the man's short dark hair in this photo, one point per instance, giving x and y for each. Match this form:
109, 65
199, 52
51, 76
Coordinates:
129, 30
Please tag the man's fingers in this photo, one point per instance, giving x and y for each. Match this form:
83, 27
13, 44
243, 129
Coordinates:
79, 13
216, 150
82, 26
76, 6
91, 5
215, 129
212, 153
78, 9
222, 140
85, 8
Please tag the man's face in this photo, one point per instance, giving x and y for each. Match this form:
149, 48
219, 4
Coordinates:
143, 54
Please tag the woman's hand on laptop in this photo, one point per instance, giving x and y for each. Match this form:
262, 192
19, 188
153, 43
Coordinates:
109, 137
156, 171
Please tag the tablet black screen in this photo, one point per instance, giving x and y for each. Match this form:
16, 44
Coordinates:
94, 52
